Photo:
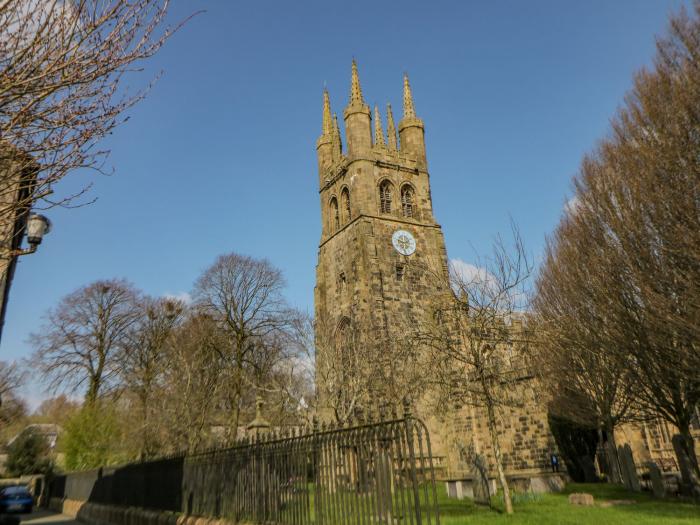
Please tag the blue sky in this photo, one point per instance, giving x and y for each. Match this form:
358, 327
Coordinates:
221, 155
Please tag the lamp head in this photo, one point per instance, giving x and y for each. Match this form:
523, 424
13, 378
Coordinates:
37, 227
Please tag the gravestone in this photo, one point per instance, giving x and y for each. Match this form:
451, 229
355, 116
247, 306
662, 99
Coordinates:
628, 468
657, 482
480, 485
581, 498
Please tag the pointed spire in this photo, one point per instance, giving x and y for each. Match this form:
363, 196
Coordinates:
327, 124
355, 89
391, 129
408, 109
378, 132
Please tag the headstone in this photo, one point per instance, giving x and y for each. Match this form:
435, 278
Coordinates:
589, 474
628, 468
581, 498
657, 482
481, 481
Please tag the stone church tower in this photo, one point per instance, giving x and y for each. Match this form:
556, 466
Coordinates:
379, 233
380, 261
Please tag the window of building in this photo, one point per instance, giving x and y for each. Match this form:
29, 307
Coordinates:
345, 203
334, 218
386, 191
400, 271
408, 206
342, 282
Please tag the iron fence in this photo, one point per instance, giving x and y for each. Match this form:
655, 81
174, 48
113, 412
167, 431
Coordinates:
367, 472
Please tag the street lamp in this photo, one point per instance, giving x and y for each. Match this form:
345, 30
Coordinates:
37, 227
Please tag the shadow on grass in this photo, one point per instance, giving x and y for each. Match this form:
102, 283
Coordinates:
555, 508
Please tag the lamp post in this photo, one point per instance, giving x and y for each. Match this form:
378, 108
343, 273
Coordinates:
36, 227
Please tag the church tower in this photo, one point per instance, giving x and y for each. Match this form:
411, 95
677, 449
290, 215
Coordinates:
379, 236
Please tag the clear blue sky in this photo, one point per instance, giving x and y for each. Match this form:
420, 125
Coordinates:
221, 156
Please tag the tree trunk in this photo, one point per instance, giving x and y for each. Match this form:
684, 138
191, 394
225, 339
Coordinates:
685, 454
613, 456
499, 460
92, 391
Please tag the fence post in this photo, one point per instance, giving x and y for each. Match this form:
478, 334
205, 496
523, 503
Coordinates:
318, 511
407, 416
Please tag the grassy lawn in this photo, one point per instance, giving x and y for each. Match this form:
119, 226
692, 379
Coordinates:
555, 509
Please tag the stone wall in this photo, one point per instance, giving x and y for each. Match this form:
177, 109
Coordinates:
96, 514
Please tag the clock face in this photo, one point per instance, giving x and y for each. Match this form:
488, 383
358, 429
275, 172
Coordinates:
403, 242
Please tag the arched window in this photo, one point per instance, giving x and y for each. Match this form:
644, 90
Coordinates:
408, 201
386, 192
345, 203
334, 218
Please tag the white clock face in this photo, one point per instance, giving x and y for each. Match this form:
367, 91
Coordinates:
403, 242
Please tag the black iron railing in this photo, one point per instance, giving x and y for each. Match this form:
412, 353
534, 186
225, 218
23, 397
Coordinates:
366, 472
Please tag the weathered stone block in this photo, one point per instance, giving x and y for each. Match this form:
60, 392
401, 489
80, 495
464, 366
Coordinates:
581, 498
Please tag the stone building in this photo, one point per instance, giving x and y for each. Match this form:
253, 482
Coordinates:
380, 248
17, 174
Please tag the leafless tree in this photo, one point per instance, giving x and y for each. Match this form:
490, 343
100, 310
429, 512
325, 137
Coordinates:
145, 359
191, 386
12, 408
585, 379
11, 378
82, 342
244, 297
62, 66
355, 372
638, 202
477, 341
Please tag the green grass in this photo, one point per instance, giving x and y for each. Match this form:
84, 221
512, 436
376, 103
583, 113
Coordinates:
550, 509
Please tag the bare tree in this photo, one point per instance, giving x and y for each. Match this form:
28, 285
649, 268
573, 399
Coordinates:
477, 342
62, 64
574, 355
244, 297
12, 407
192, 385
82, 343
145, 359
638, 203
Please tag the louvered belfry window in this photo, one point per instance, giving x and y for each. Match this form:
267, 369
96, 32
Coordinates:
385, 196
345, 202
335, 219
408, 206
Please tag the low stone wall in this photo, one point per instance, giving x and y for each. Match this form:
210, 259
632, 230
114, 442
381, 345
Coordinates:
97, 514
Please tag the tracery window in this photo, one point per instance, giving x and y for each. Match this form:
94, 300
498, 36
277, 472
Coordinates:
345, 203
408, 199
334, 217
386, 191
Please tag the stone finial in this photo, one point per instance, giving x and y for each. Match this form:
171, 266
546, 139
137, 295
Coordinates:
327, 127
408, 109
391, 129
259, 425
378, 132
355, 89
